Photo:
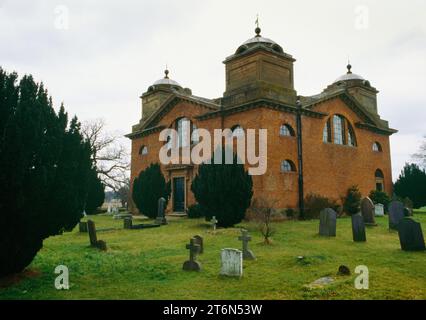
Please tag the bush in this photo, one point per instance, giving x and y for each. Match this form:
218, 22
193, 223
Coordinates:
411, 183
148, 187
45, 165
315, 203
223, 190
290, 213
96, 194
352, 201
195, 211
380, 197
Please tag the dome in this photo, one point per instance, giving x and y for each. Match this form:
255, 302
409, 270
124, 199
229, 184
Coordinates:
166, 81
259, 40
349, 76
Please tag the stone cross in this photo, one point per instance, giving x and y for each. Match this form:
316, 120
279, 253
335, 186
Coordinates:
245, 238
192, 264
214, 222
231, 262
161, 218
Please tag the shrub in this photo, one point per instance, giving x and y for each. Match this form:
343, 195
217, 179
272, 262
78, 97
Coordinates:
352, 201
315, 203
148, 187
380, 197
411, 183
290, 213
96, 194
223, 190
45, 165
195, 211
263, 210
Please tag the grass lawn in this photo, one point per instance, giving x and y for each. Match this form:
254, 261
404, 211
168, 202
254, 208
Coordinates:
147, 264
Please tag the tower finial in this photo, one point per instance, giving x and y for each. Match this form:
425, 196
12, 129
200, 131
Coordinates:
257, 30
349, 67
166, 72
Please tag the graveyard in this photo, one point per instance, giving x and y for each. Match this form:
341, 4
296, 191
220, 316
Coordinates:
147, 263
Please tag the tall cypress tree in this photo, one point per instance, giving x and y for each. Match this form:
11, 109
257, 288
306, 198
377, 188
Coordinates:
44, 170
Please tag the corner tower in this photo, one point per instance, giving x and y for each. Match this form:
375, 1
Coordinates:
259, 69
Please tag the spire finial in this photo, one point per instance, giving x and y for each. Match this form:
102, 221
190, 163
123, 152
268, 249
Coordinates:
349, 67
166, 72
257, 30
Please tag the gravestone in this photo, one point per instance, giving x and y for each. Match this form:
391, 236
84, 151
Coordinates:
245, 238
82, 226
358, 228
161, 218
214, 222
192, 264
199, 241
94, 242
327, 225
379, 210
411, 235
231, 262
127, 223
109, 209
367, 211
122, 216
396, 214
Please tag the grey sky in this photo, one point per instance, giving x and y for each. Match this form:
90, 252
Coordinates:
113, 50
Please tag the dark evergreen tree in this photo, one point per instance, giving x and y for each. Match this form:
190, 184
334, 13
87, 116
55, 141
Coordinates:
44, 169
96, 193
411, 183
223, 190
148, 187
380, 197
352, 202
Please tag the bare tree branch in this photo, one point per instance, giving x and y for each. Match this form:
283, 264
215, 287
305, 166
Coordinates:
420, 157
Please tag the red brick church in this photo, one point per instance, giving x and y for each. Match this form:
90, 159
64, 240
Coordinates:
320, 144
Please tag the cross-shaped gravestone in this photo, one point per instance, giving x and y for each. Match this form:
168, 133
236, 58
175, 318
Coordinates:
161, 218
214, 222
245, 238
192, 264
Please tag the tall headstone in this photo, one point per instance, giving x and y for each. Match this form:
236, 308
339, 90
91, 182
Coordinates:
245, 238
127, 223
200, 242
192, 264
396, 214
214, 222
327, 225
358, 228
161, 217
231, 262
379, 210
367, 211
94, 242
411, 235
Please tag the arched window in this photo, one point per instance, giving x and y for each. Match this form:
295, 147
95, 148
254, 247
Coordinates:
380, 186
339, 129
143, 150
287, 166
183, 129
195, 137
377, 147
351, 136
286, 130
237, 131
326, 134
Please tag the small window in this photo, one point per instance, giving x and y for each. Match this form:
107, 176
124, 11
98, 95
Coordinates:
237, 131
143, 150
287, 166
379, 174
286, 131
380, 186
326, 133
377, 147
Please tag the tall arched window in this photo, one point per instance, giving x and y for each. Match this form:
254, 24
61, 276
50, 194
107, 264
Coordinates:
287, 166
351, 136
339, 130
183, 129
326, 134
377, 147
143, 150
286, 131
195, 136
380, 186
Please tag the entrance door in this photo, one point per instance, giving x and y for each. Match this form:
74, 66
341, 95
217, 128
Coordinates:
179, 194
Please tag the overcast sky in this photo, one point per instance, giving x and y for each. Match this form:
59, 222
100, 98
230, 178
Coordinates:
98, 57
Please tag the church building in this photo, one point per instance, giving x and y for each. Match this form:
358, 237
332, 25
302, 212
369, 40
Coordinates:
321, 144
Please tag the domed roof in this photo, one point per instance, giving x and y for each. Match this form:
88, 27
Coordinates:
167, 81
259, 40
349, 75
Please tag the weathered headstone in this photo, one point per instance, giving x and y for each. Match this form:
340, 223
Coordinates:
109, 209
367, 211
127, 223
231, 262
200, 242
192, 264
410, 235
396, 214
245, 238
122, 216
379, 210
82, 226
214, 222
94, 242
161, 218
358, 228
327, 225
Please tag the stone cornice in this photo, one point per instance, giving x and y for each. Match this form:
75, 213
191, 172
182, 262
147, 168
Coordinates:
145, 132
